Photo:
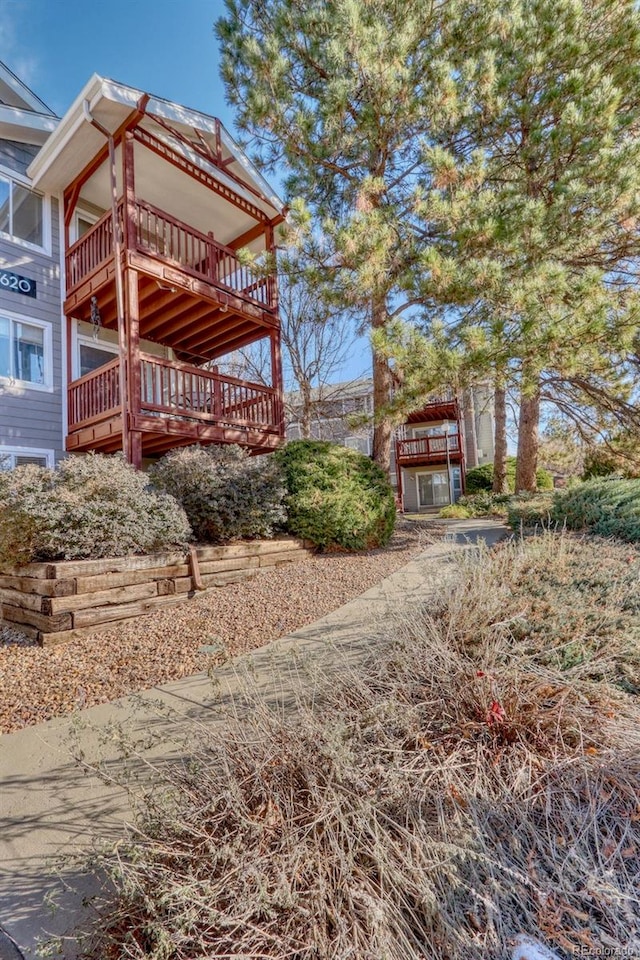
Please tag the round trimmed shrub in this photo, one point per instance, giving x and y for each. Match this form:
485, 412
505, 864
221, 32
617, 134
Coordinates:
480, 479
336, 496
90, 506
226, 493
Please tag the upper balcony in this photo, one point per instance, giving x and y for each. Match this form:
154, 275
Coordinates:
188, 282
434, 449
159, 270
437, 435
167, 241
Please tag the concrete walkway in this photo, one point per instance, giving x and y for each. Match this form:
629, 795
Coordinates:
50, 806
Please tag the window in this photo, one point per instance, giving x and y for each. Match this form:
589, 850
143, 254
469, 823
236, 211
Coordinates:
25, 351
83, 222
21, 213
94, 355
11, 457
361, 444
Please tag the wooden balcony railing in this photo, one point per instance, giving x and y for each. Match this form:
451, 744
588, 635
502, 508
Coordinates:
176, 389
158, 234
427, 449
172, 389
94, 397
161, 235
91, 250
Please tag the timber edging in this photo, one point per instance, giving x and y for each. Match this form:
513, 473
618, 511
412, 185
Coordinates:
68, 599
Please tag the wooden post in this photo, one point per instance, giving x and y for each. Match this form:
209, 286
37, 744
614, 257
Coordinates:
276, 380
400, 492
129, 190
269, 238
134, 381
132, 305
194, 567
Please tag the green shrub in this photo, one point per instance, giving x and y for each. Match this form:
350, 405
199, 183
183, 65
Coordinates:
480, 479
336, 496
532, 510
226, 493
455, 511
90, 506
610, 508
486, 504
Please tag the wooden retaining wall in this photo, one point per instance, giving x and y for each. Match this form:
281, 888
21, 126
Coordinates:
53, 602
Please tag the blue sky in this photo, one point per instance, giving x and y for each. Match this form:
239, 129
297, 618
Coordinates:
165, 47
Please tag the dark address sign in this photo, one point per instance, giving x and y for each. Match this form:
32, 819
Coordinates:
12, 281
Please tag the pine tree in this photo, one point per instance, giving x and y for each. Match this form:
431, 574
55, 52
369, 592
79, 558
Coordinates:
347, 93
533, 195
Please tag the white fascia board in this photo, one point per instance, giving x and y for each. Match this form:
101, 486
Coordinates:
67, 127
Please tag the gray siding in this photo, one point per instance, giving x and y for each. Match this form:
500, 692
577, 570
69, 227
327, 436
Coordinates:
28, 417
17, 156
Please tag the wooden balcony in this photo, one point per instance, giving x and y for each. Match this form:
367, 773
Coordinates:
425, 451
178, 404
164, 248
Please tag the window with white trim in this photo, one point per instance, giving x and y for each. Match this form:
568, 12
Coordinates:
11, 457
21, 213
25, 352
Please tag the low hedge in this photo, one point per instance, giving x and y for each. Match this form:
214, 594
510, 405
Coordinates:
485, 504
533, 510
336, 497
90, 506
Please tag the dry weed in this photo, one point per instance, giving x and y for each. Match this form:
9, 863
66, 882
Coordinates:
458, 789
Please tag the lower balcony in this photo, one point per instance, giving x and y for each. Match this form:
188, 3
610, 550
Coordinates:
178, 404
422, 451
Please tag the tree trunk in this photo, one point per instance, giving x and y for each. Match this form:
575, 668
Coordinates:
528, 439
382, 386
471, 434
500, 483
305, 413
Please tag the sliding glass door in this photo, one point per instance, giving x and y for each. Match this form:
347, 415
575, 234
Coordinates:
433, 489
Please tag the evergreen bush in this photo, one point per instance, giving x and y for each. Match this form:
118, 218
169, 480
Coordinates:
610, 508
88, 507
485, 504
480, 479
226, 493
336, 496
455, 511
532, 510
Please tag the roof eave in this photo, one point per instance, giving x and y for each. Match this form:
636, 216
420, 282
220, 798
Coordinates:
68, 125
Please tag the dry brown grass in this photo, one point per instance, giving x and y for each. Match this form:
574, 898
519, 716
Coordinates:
461, 787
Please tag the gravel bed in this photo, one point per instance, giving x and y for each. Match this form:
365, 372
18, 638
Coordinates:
38, 683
